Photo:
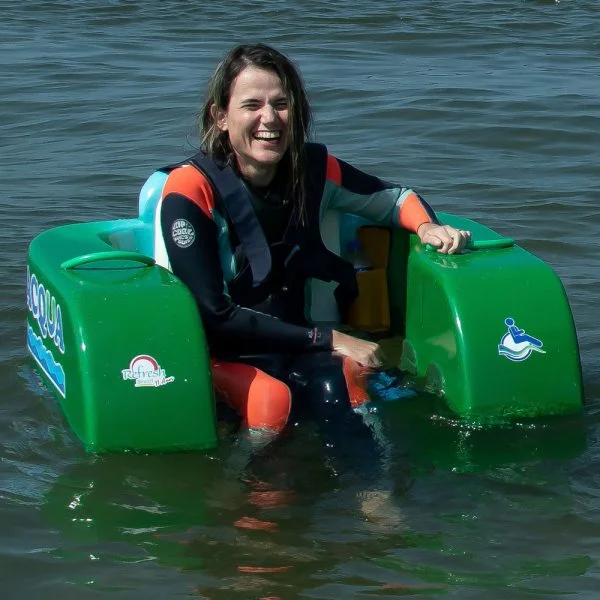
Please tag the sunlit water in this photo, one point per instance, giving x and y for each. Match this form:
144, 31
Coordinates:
492, 111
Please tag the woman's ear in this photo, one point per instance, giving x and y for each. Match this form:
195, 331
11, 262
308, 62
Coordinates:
219, 117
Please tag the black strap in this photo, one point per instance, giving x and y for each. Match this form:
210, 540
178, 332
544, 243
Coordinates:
314, 260
236, 202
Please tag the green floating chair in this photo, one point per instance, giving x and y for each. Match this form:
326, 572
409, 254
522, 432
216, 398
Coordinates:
119, 339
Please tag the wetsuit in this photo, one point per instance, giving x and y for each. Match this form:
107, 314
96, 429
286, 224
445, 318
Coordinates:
197, 242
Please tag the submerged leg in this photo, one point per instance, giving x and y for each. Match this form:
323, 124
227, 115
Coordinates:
261, 400
332, 390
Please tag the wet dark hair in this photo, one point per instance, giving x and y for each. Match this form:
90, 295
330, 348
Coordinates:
216, 142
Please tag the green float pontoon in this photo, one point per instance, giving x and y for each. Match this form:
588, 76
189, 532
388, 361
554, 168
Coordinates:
120, 341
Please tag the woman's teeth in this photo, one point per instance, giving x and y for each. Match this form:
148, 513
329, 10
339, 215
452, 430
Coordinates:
267, 135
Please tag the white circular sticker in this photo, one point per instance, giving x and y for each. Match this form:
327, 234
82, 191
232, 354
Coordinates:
183, 233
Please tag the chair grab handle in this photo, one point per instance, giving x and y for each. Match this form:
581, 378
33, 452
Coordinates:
93, 257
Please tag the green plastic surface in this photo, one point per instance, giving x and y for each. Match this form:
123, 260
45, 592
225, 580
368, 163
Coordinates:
457, 314
134, 358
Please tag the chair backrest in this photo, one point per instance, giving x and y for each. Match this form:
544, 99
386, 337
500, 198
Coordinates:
337, 229
149, 198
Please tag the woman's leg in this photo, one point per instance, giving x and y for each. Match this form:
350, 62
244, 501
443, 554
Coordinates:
262, 401
332, 390
325, 381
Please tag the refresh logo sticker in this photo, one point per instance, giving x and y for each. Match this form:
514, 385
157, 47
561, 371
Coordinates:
146, 372
517, 345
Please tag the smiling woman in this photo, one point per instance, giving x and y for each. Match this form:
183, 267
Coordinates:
253, 198
256, 121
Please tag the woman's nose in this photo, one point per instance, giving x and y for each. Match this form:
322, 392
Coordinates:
269, 114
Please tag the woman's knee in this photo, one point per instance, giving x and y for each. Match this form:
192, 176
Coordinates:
269, 403
263, 402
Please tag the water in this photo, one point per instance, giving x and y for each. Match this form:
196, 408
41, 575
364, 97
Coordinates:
492, 111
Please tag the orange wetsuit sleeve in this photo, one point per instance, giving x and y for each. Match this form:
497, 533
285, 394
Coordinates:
414, 211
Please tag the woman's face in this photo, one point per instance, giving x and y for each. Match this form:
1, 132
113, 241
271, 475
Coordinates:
256, 121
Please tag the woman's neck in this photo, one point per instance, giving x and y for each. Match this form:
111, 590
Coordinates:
258, 175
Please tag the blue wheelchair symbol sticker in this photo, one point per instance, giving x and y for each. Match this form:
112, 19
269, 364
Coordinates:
516, 344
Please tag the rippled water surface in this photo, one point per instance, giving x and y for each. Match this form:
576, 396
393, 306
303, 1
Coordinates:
492, 111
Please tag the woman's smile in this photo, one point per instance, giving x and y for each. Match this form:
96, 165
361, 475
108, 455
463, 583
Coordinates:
256, 121
268, 136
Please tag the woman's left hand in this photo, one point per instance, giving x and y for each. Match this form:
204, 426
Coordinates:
445, 238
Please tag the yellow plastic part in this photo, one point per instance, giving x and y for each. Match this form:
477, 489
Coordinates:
371, 310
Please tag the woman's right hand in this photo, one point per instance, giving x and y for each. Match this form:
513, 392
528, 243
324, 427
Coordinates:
365, 353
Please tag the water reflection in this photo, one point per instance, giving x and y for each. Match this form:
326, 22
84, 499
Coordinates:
293, 511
